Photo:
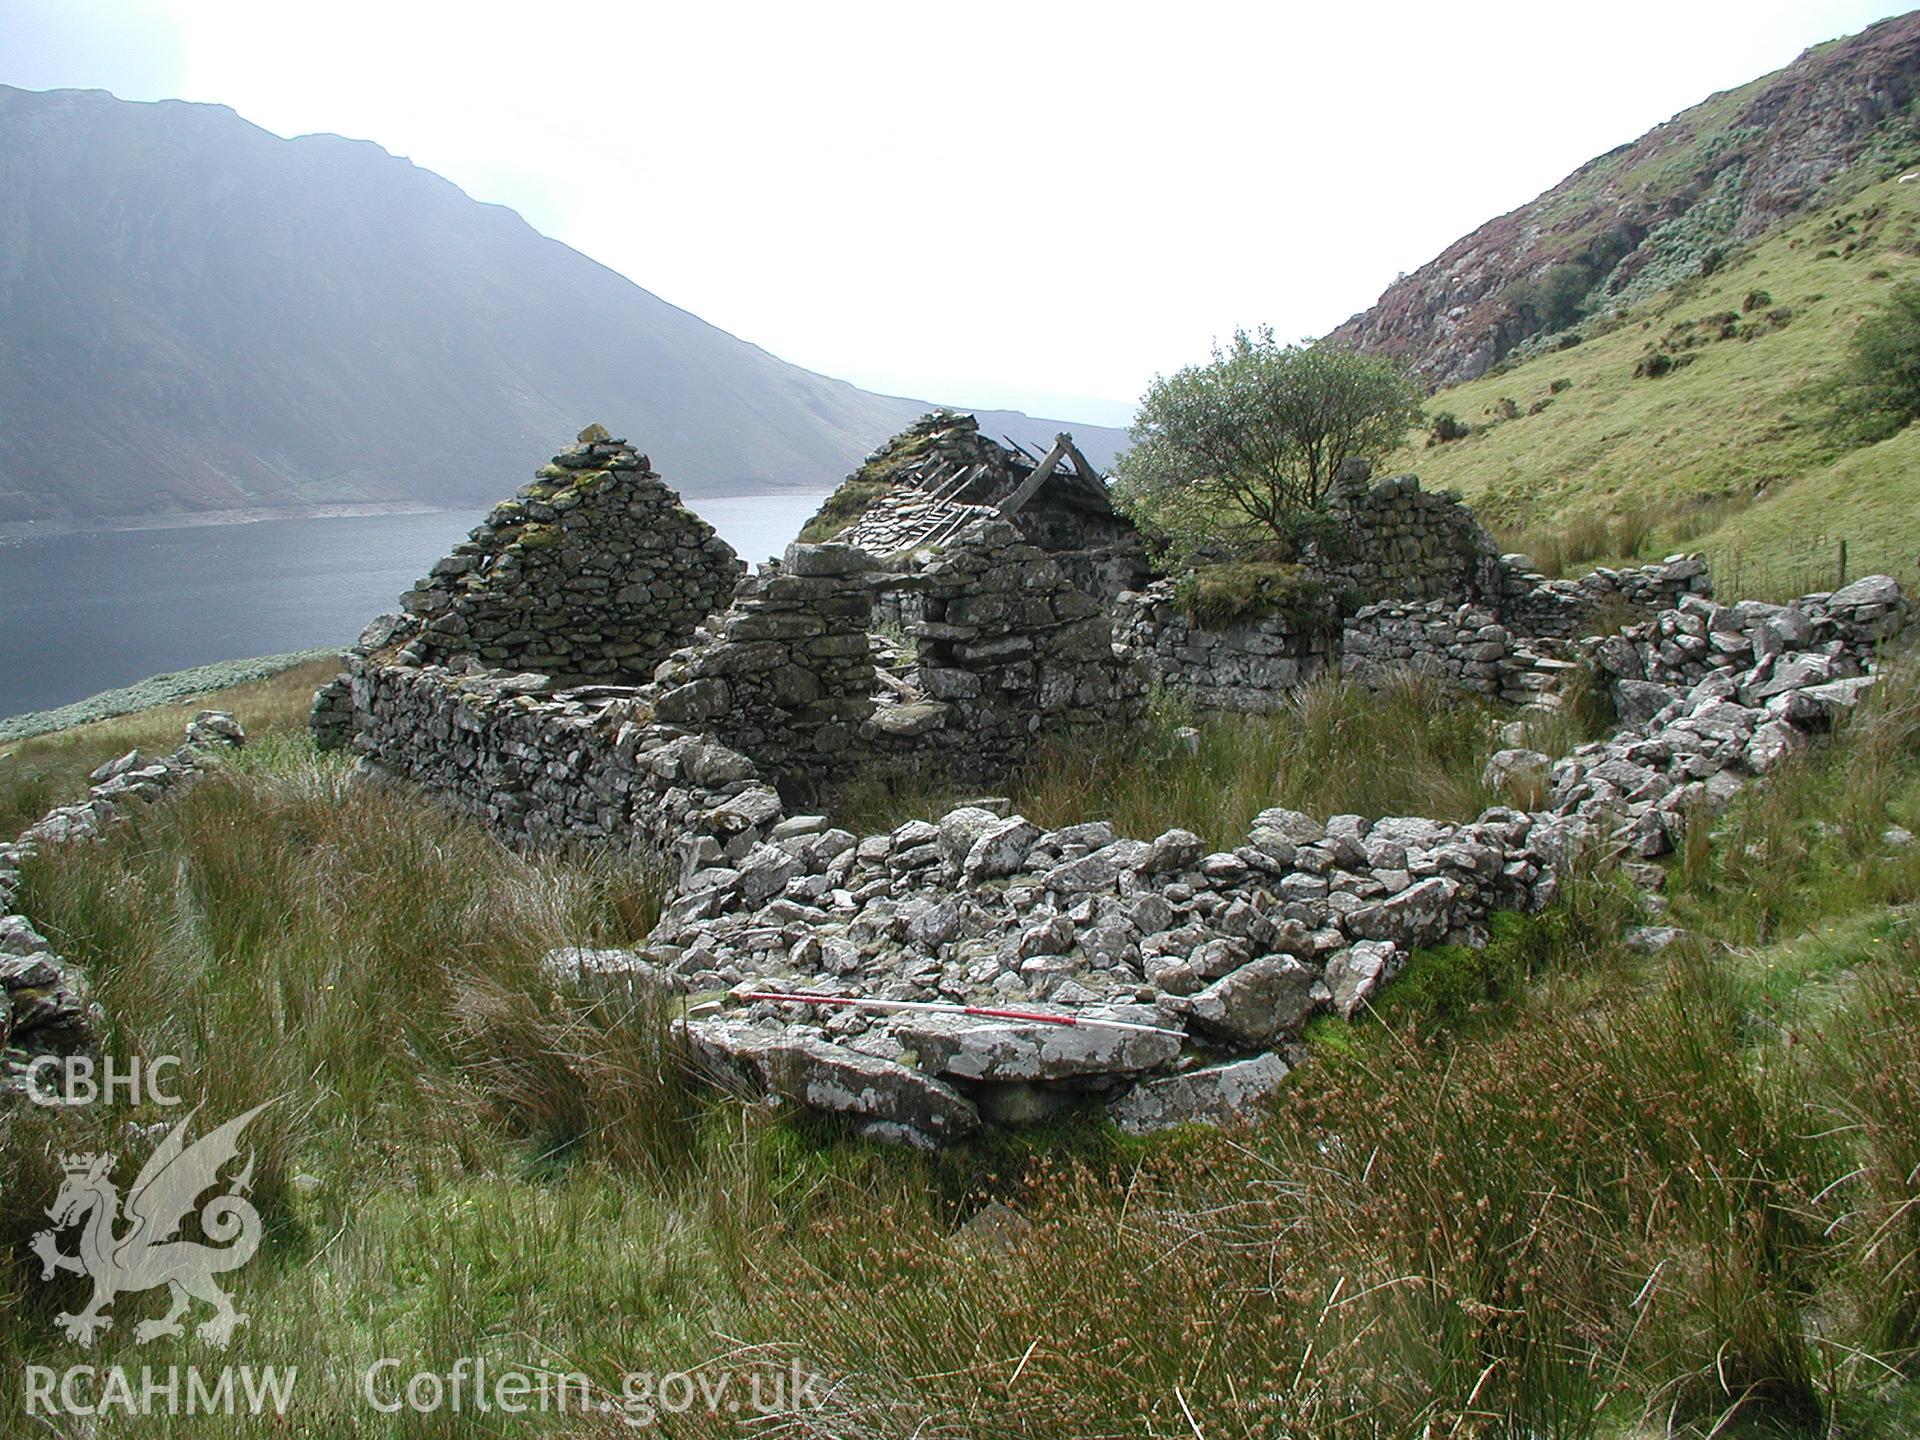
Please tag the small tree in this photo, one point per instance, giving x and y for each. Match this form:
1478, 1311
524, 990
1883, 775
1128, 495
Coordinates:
1877, 392
1257, 434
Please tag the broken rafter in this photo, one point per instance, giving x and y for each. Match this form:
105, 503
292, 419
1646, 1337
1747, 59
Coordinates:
1030, 487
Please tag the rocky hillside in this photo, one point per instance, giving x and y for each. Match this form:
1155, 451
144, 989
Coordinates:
1646, 215
197, 316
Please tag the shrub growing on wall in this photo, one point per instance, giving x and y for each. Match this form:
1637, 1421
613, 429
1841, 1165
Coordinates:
1246, 446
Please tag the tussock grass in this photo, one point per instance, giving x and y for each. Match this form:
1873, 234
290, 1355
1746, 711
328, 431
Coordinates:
1412, 747
1548, 1188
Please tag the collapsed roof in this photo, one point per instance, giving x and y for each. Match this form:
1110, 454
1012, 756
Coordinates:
938, 476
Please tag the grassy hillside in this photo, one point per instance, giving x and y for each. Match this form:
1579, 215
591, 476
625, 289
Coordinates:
1548, 1188
1723, 451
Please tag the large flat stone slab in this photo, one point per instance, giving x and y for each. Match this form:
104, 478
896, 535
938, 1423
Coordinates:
1215, 1095
823, 1076
971, 1048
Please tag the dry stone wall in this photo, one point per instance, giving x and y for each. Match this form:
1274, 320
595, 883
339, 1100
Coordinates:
1013, 651
785, 673
1463, 645
1209, 962
1231, 950
1426, 590
46, 1003
1389, 539
1249, 666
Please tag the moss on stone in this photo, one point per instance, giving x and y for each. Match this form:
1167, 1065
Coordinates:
872, 480
1217, 595
843, 508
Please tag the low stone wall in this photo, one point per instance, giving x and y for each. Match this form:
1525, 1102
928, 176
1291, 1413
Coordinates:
1822, 638
593, 571
1463, 645
1248, 667
1563, 609
1225, 954
1233, 951
545, 770
1436, 596
1392, 540
46, 1004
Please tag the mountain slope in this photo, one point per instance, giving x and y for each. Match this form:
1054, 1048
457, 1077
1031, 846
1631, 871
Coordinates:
196, 315
1725, 450
1667, 206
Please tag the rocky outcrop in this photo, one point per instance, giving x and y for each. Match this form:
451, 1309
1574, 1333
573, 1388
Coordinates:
1722, 172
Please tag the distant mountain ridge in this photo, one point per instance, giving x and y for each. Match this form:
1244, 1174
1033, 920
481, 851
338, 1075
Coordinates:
1648, 214
198, 316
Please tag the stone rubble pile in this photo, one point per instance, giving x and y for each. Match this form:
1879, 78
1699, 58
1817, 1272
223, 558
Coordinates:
1766, 650
46, 1005
1235, 948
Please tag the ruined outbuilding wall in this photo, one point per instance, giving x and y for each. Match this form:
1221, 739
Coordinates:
1423, 588
1009, 651
784, 674
1015, 651
1389, 539
545, 770
1249, 666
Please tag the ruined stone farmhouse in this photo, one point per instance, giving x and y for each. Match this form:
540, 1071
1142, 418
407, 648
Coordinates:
595, 665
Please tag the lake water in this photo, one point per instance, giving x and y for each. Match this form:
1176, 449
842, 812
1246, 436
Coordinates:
84, 613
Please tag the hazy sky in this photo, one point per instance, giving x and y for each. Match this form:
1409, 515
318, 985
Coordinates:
1030, 204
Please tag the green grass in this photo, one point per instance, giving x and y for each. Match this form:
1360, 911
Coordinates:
1726, 454
177, 687
1549, 1188
51, 768
1221, 594
1413, 748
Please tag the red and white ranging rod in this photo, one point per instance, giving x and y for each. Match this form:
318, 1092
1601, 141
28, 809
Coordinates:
942, 1007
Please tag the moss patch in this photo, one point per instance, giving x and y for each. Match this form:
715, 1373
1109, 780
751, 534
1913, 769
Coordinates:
872, 480
1250, 590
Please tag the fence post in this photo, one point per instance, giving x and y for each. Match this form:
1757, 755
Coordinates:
1843, 566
